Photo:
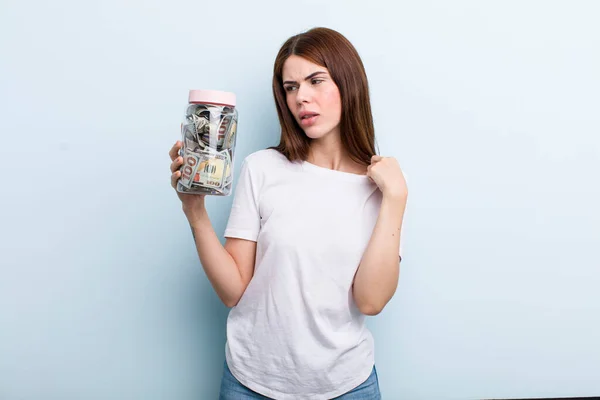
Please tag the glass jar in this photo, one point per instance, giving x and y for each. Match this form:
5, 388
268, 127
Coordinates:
208, 133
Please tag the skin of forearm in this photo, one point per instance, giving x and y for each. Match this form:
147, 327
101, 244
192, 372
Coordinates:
377, 276
218, 264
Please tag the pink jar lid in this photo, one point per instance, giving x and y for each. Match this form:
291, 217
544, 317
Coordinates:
212, 97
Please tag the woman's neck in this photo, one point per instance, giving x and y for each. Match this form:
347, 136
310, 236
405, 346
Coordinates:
328, 152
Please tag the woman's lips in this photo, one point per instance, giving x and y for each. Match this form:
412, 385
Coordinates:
309, 120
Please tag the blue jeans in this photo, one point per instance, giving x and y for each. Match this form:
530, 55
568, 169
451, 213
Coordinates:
232, 389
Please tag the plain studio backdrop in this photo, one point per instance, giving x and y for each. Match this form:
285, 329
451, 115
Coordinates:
492, 109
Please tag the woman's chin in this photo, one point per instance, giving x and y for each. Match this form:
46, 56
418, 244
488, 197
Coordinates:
314, 133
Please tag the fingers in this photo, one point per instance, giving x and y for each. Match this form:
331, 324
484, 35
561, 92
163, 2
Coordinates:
176, 164
374, 160
174, 152
177, 161
174, 178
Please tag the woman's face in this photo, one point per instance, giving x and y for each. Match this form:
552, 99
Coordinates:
312, 97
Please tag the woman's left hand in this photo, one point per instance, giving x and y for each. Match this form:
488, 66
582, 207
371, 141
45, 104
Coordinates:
387, 175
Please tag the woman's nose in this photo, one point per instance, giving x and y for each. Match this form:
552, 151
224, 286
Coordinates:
303, 95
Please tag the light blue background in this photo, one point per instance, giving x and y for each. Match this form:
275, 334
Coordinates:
491, 108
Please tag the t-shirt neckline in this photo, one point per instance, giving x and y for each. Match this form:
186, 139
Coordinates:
348, 176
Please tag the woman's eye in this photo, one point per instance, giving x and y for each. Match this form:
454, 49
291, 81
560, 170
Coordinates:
289, 88
316, 81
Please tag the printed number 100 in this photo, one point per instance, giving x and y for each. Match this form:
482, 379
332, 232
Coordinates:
210, 169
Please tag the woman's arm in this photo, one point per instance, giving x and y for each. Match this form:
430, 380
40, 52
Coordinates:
376, 279
377, 276
229, 268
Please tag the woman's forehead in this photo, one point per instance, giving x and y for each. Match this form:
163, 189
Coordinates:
298, 68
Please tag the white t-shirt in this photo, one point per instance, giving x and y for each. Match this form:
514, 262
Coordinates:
296, 332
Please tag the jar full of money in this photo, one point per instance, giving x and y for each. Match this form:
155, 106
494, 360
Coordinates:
208, 134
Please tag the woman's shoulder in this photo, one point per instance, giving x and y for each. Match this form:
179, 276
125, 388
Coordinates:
265, 159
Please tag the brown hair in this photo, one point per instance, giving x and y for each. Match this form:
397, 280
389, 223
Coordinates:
331, 50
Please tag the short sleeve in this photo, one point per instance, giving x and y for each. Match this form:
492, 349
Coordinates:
244, 219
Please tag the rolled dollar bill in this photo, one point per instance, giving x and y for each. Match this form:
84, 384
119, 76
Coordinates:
228, 167
201, 124
188, 132
223, 131
230, 138
191, 163
190, 139
211, 113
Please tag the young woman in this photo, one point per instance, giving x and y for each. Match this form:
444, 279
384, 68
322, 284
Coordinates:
313, 238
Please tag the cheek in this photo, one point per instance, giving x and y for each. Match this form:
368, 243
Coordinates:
332, 100
291, 103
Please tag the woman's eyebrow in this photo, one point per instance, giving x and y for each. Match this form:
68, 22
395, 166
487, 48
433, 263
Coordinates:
308, 77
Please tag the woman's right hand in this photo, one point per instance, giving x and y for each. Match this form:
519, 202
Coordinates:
192, 204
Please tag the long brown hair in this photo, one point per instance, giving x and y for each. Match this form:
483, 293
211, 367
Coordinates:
331, 50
